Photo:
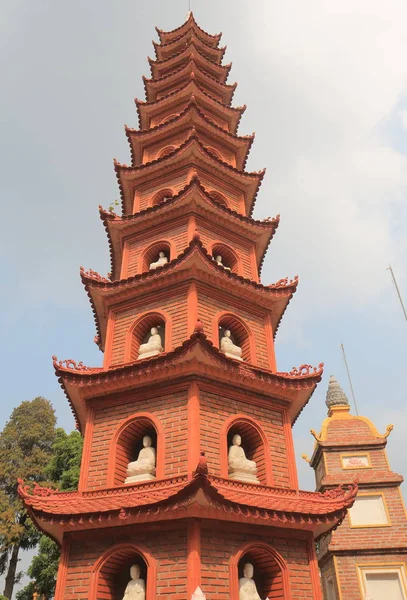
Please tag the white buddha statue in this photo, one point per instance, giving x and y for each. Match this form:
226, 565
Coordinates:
142, 469
240, 467
218, 260
229, 348
152, 347
247, 587
162, 260
136, 588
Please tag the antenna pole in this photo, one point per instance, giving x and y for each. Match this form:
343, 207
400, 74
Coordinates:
349, 377
389, 268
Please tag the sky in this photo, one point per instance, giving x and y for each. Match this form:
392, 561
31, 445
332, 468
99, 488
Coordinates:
325, 85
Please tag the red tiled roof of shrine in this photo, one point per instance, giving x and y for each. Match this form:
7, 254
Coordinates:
189, 23
315, 511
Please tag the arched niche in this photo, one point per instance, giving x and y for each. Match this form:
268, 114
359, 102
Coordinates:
152, 252
240, 335
254, 443
166, 151
139, 333
111, 573
270, 571
215, 153
229, 257
219, 198
127, 443
162, 196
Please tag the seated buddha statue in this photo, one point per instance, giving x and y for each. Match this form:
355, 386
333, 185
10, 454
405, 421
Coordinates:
218, 260
161, 260
240, 467
229, 348
152, 347
142, 469
247, 587
136, 588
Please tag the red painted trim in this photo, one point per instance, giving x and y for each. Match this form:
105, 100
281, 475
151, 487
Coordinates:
314, 570
136, 548
111, 321
168, 331
62, 571
192, 308
270, 344
194, 438
289, 444
234, 574
124, 271
194, 557
230, 422
215, 333
191, 227
111, 466
87, 449
253, 259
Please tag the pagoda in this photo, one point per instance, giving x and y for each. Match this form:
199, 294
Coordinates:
366, 557
188, 475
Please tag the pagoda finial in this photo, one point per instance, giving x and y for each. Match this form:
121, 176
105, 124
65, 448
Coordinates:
335, 396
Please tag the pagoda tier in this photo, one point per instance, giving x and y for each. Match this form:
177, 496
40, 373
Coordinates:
139, 185
148, 144
197, 357
191, 277
128, 236
151, 114
192, 51
188, 468
203, 497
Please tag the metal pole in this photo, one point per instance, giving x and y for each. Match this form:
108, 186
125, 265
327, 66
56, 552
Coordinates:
349, 377
398, 291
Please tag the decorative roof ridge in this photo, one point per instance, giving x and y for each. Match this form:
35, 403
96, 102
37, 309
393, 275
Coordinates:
191, 42
270, 223
188, 141
198, 336
147, 80
240, 109
192, 34
92, 277
190, 20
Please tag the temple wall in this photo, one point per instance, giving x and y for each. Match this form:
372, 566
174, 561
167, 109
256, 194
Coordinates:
377, 459
216, 408
170, 410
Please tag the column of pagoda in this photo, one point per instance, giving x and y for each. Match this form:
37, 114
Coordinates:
186, 256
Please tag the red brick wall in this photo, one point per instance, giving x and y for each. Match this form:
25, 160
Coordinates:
218, 545
169, 409
377, 459
347, 571
346, 537
169, 548
349, 430
216, 409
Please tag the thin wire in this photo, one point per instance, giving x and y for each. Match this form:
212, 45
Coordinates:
349, 377
398, 291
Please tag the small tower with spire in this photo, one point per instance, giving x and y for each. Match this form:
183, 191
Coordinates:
366, 557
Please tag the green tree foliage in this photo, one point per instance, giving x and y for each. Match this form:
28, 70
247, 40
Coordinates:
63, 469
25, 450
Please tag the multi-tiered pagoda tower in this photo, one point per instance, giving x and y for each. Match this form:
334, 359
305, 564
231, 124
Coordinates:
186, 257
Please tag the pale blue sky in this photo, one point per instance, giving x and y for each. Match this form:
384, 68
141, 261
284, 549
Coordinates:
326, 90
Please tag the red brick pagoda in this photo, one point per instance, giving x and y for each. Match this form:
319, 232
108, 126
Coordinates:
188, 468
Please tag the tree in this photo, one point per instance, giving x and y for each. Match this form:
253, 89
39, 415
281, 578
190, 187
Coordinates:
25, 450
63, 469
